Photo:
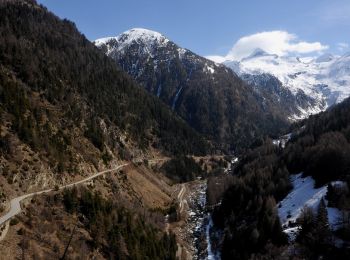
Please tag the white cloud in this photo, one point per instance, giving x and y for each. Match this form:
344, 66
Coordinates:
216, 58
343, 46
274, 42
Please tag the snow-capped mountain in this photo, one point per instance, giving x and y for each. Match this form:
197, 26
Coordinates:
325, 79
209, 96
295, 105
143, 53
146, 38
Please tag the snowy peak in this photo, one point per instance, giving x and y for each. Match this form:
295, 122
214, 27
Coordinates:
327, 57
153, 48
155, 61
142, 35
146, 38
325, 79
102, 41
258, 53
134, 34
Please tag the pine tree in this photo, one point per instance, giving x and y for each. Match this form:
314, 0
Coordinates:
278, 236
307, 221
323, 232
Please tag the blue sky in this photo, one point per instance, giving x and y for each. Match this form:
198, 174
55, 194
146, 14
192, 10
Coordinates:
210, 27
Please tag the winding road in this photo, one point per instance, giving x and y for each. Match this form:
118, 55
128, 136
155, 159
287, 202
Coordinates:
15, 204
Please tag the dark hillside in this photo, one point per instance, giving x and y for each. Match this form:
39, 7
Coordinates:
47, 57
320, 147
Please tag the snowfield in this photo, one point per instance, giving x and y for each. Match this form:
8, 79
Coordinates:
303, 195
325, 78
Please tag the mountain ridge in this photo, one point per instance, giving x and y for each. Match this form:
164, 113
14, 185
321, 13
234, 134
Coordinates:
324, 79
207, 95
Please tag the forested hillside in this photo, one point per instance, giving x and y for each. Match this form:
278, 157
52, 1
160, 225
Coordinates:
66, 112
322, 147
56, 87
319, 147
209, 96
126, 236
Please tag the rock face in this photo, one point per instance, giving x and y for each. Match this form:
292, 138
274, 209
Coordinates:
209, 96
295, 105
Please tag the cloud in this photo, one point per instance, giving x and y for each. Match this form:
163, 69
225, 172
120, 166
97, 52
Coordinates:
274, 42
216, 58
342, 46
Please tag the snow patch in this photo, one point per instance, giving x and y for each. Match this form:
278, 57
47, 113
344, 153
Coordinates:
208, 68
234, 160
102, 41
159, 90
282, 141
176, 98
304, 195
181, 52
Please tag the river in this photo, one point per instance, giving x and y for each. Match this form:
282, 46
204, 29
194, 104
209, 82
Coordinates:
199, 223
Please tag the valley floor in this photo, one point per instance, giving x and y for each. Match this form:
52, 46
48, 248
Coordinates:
192, 230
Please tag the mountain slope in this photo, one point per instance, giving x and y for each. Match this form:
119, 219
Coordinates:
36, 49
67, 112
324, 80
318, 153
209, 96
294, 105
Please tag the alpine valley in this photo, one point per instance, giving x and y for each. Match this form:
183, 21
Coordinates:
132, 147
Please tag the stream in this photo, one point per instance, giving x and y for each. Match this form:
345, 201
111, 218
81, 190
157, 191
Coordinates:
199, 223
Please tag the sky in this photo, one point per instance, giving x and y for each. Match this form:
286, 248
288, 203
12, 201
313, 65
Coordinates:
220, 29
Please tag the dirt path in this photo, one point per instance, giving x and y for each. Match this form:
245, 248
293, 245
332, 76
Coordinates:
183, 252
15, 203
181, 199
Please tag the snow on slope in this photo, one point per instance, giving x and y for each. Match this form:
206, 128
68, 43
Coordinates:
146, 54
303, 195
326, 78
282, 141
147, 37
